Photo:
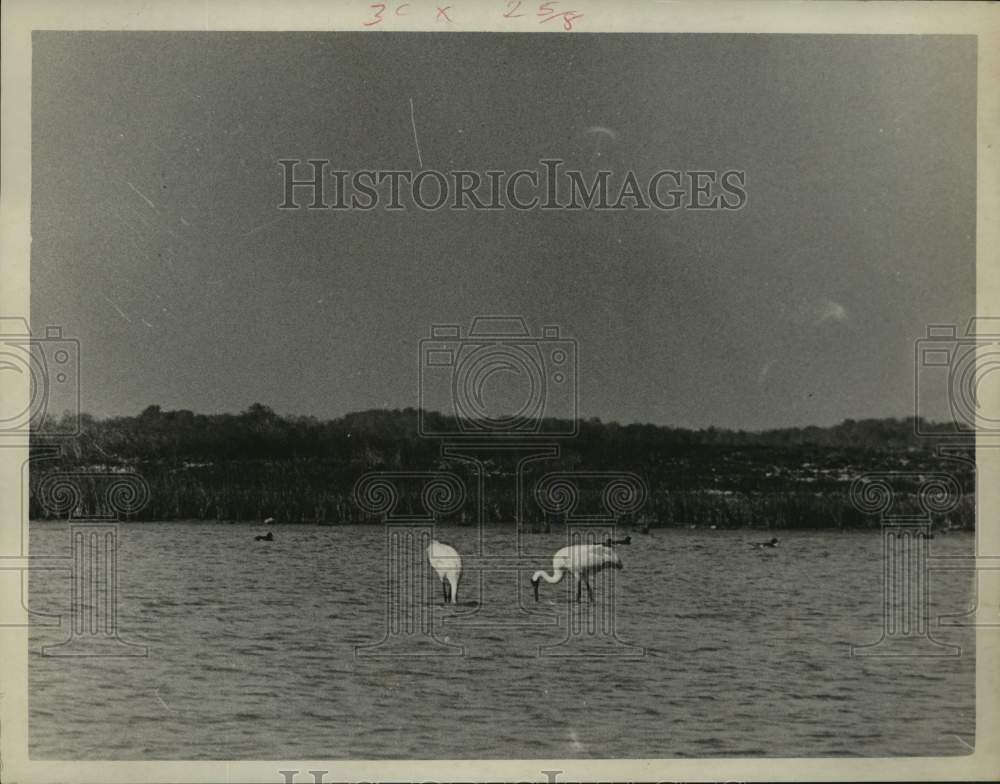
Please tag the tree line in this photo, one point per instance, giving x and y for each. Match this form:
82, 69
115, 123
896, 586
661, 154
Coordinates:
259, 464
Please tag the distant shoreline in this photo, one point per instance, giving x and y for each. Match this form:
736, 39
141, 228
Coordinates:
49, 521
258, 465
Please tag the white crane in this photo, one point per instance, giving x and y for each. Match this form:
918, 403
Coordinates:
447, 563
581, 560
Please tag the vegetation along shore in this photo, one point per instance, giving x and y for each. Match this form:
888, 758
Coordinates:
258, 464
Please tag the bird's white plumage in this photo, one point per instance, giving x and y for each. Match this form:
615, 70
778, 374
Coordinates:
580, 560
447, 564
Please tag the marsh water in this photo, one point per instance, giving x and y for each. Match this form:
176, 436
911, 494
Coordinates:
251, 652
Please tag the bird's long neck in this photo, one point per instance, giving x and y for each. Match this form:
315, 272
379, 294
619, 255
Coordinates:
557, 575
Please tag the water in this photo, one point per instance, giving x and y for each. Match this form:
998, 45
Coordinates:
251, 655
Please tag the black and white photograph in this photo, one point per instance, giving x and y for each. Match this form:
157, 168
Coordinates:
506, 382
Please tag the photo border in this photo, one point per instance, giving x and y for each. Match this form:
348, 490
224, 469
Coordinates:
20, 17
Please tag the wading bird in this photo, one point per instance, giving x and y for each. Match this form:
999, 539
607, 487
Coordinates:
447, 563
762, 545
580, 560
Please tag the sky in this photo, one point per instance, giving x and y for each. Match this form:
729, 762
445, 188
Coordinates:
157, 241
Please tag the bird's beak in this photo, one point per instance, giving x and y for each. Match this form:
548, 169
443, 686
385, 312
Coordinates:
534, 584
